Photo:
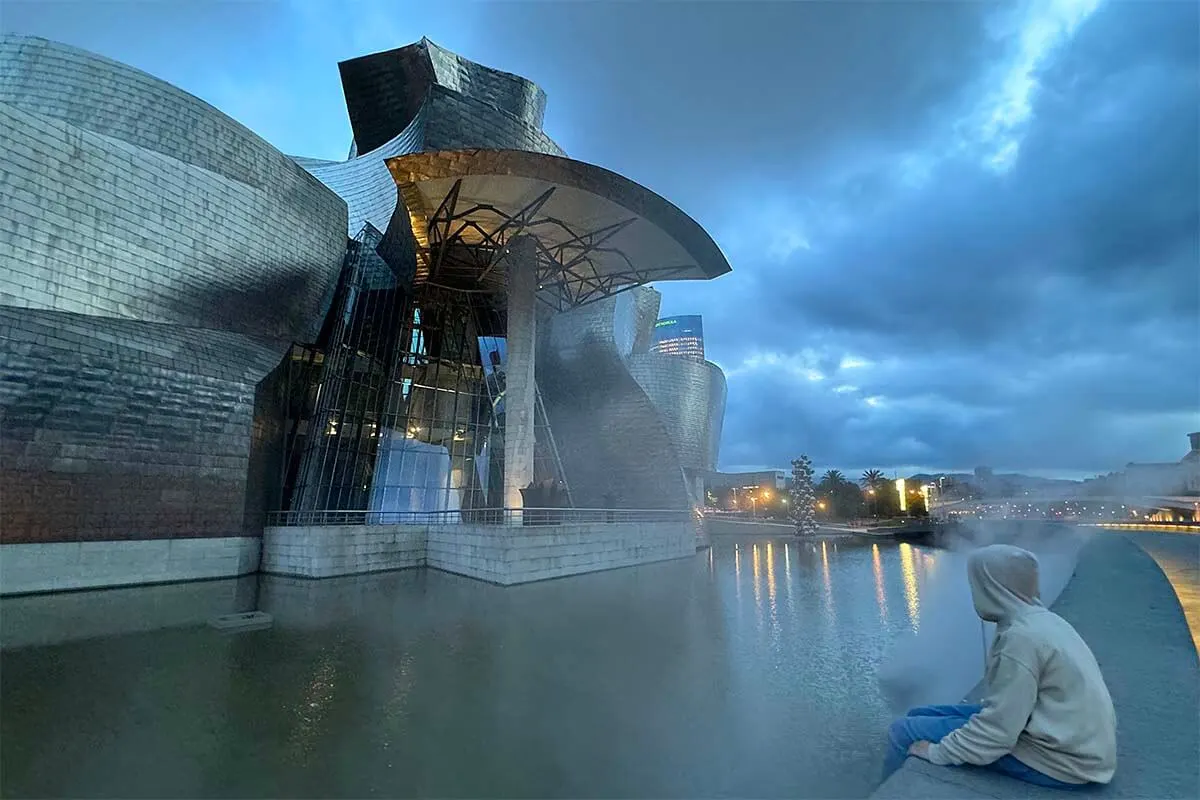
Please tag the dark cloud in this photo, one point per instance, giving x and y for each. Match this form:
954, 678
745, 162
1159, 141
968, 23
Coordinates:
1046, 316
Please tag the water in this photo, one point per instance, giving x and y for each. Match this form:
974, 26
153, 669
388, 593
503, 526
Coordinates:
748, 671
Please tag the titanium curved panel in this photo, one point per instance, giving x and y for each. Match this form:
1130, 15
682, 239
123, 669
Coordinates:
518, 96
107, 227
364, 181
689, 397
97, 94
615, 449
115, 429
457, 122
156, 259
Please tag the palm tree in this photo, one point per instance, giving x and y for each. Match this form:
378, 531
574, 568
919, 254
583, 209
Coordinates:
872, 478
833, 478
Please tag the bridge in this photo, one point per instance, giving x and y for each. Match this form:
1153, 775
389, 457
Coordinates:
1137, 504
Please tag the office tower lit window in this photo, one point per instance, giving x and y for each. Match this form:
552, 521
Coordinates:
679, 336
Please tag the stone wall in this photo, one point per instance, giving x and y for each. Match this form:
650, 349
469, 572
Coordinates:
61, 566
501, 555
322, 552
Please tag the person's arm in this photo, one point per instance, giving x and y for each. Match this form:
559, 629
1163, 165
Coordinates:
992, 732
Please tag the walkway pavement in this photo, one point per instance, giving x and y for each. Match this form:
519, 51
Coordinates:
1123, 605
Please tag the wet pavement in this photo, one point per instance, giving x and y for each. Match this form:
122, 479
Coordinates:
1178, 556
749, 671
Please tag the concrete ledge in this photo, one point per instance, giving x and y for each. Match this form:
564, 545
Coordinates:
500, 555
1125, 608
61, 566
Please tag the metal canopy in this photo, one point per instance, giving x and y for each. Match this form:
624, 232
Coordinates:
597, 232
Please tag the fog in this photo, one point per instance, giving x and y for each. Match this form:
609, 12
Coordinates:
944, 660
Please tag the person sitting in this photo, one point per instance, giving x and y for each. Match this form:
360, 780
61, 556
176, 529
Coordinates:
1047, 717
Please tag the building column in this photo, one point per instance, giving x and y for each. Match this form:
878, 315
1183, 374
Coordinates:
519, 392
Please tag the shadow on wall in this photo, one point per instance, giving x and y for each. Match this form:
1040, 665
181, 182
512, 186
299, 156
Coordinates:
614, 448
278, 305
945, 658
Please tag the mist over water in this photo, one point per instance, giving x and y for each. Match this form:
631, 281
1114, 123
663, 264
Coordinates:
944, 659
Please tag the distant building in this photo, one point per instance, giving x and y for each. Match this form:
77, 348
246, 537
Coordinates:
679, 336
742, 491
1168, 478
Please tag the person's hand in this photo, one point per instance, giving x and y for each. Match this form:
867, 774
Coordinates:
919, 749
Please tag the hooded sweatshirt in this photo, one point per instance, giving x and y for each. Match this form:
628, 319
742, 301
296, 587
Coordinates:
1047, 703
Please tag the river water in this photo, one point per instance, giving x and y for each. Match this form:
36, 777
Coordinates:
748, 671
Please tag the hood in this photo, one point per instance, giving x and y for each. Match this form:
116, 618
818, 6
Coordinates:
1004, 581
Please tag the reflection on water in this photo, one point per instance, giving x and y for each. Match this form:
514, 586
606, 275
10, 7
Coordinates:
880, 594
912, 594
669, 680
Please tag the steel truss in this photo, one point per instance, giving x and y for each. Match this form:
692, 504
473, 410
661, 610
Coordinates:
465, 254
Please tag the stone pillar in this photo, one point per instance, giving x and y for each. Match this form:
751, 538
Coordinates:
519, 393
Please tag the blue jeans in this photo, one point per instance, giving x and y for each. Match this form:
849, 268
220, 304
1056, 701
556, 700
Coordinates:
931, 723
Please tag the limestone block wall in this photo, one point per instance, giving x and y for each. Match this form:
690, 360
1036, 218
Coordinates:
60, 566
321, 552
501, 555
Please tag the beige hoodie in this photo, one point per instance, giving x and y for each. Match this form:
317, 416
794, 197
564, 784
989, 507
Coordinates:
1047, 703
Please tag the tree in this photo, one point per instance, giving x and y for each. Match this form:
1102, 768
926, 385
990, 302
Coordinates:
871, 478
844, 497
802, 508
832, 479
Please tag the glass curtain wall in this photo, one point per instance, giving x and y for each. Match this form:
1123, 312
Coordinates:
404, 400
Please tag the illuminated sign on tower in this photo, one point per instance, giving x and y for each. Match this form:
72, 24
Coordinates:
679, 336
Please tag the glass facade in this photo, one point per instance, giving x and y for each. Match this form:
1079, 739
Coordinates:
400, 407
679, 336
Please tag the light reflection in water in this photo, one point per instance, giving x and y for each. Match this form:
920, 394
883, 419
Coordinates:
826, 579
757, 588
787, 571
737, 571
912, 594
877, 568
771, 575
311, 710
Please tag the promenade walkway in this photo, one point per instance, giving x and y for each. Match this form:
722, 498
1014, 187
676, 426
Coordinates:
1124, 606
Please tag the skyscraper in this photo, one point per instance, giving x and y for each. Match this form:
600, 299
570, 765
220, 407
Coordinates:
679, 336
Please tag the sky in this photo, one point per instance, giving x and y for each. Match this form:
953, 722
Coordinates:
962, 233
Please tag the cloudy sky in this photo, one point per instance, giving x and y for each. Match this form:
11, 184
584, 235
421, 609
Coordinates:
962, 233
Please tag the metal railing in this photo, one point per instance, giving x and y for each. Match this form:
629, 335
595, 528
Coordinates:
479, 516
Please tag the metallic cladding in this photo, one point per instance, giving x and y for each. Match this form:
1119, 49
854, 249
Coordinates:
156, 260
